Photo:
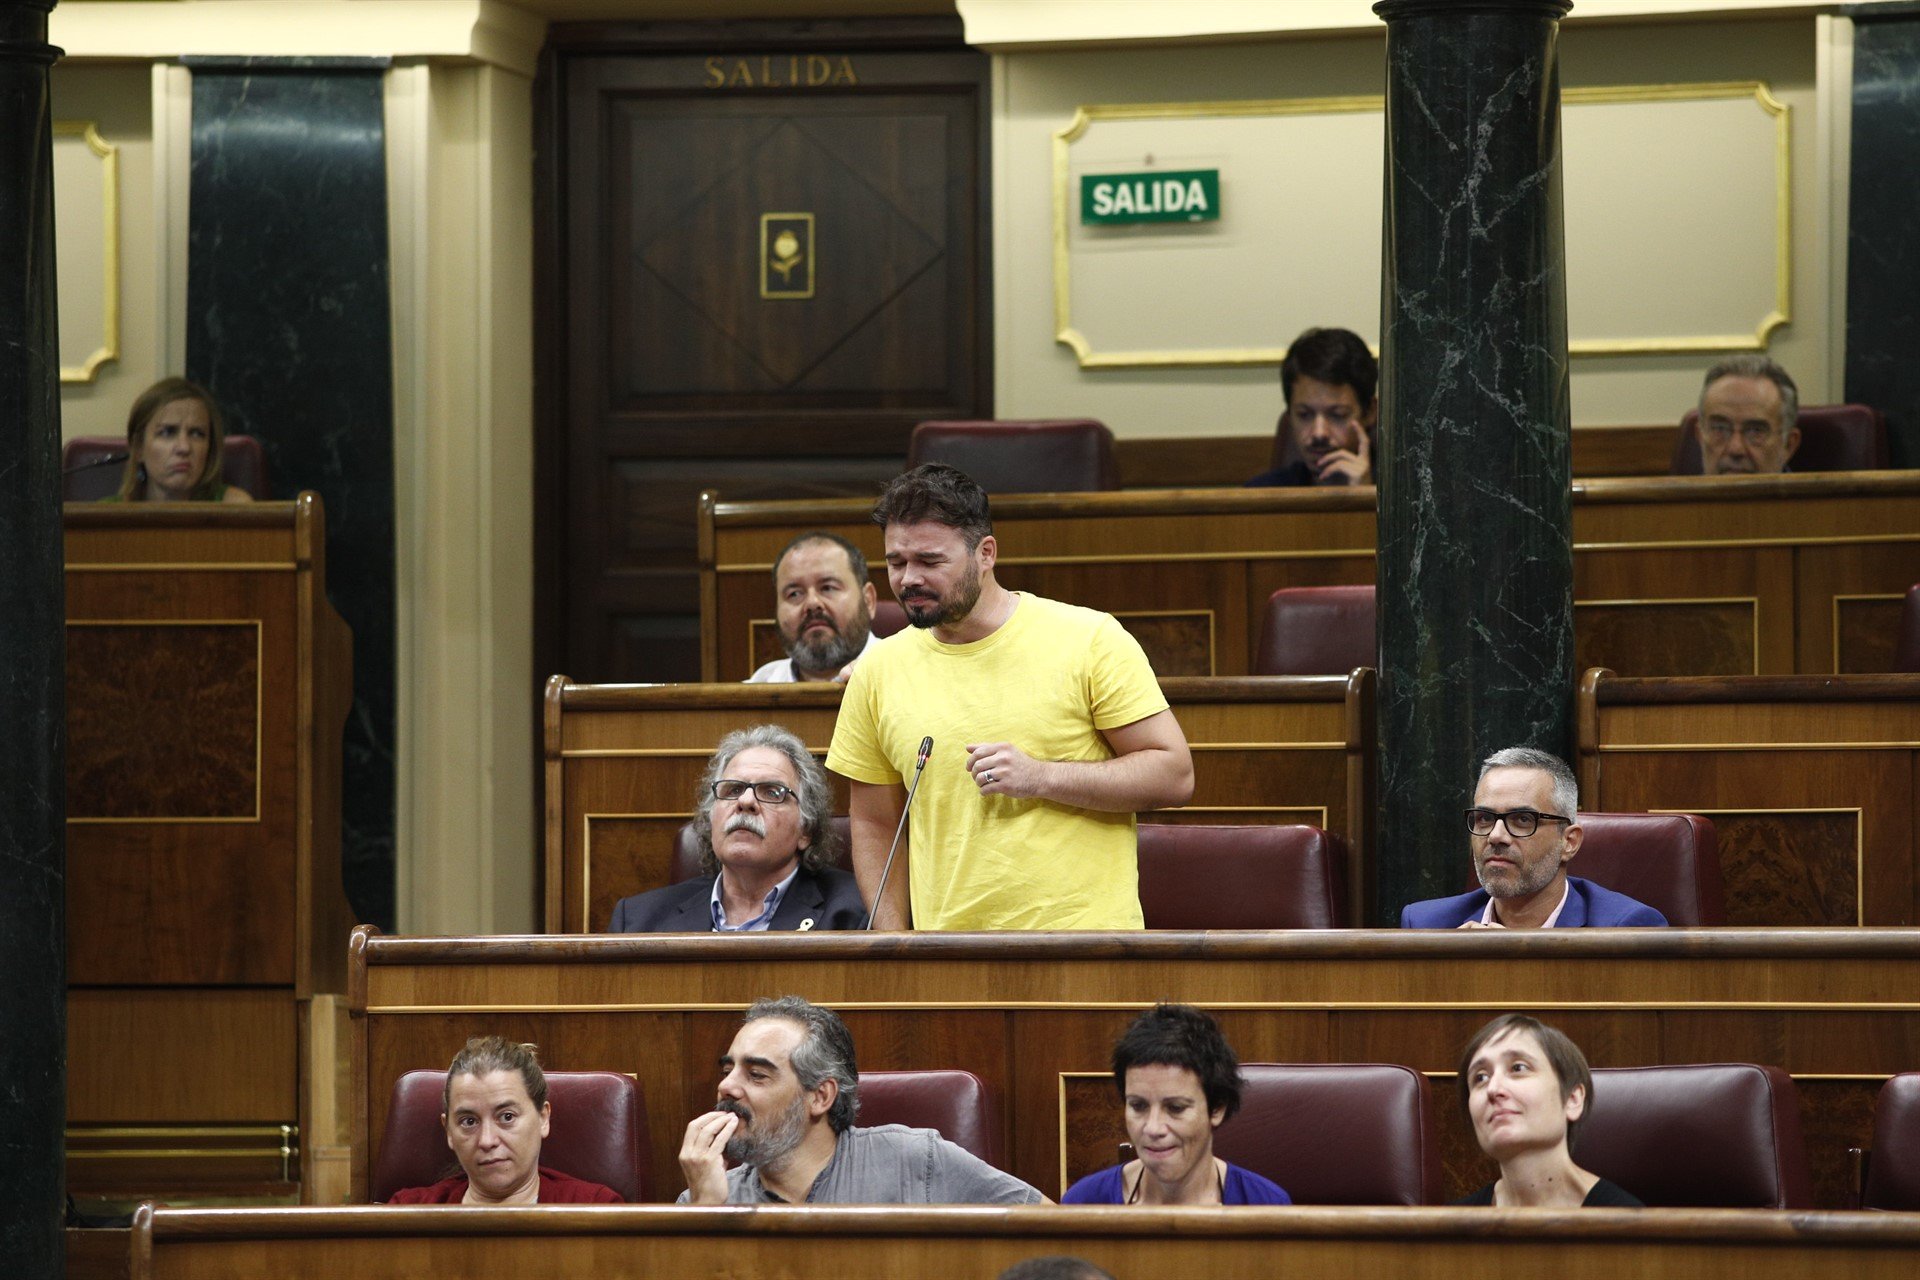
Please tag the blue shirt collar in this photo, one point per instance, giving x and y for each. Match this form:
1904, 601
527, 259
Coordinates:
760, 922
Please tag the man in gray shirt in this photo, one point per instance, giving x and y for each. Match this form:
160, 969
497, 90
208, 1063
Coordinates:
789, 1091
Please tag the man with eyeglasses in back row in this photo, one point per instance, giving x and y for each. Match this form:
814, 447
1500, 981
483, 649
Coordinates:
764, 823
1525, 828
1748, 410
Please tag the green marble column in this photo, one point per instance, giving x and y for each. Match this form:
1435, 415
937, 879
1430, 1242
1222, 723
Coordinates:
33, 940
1475, 542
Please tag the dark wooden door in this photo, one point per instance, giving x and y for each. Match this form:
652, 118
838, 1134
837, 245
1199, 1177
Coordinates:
771, 261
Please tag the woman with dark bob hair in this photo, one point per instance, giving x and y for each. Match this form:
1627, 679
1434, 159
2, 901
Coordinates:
1527, 1088
495, 1111
1178, 1079
175, 441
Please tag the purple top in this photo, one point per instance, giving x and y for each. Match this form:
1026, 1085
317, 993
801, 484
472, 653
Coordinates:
1242, 1187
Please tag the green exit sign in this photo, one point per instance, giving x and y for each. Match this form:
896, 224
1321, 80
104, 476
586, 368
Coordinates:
1186, 195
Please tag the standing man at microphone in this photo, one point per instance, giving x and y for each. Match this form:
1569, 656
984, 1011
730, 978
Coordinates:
1049, 729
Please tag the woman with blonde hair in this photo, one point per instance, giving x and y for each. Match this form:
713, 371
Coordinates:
175, 442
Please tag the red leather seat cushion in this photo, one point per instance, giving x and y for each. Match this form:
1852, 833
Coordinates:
1337, 1134
1043, 455
1833, 437
958, 1104
1250, 877
1317, 631
1893, 1167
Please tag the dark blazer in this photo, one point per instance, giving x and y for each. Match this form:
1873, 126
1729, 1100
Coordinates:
1588, 905
828, 898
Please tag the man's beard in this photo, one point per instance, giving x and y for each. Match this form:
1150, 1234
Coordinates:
831, 651
769, 1148
953, 608
1530, 878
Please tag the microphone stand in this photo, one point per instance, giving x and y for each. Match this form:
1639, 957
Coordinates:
920, 767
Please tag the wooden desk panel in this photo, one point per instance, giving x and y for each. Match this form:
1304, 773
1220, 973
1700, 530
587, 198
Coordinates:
1837, 1008
208, 683
977, 1242
1683, 575
1811, 783
623, 764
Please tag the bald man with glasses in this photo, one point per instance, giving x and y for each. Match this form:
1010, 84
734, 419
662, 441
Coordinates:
1525, 828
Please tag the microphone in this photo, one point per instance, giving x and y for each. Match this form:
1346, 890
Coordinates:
106, 461
919, 767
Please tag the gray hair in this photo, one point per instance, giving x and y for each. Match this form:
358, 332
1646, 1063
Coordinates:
814, 795
1566, 789
1754, 365
825, 1052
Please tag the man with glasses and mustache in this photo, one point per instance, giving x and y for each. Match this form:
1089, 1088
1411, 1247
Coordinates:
1525, 829
1749, 406
789, 1092
763, 819
823, 605
1050, 732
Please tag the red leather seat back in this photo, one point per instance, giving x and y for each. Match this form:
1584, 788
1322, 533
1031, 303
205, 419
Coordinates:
1893, 1168
888, 619
1337, 1134
686, 852
1670, 861
1833, 437
244, 465
1723, 1135
1271, 877
1043, 455
598, 1133
1317, 631
1906, 652
959, 1104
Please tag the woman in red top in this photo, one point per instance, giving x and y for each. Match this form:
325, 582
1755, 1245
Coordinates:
495, 1112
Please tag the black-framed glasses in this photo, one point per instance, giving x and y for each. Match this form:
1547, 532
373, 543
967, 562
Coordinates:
1521, 823
764, 792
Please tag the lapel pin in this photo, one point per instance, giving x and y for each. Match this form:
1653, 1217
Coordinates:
806, 924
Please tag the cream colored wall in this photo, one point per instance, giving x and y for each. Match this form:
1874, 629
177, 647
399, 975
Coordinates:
461, 194
117, 99
460, 170
1036, 93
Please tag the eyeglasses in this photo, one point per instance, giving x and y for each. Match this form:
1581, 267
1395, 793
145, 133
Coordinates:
765, 792
1754, 433
1521, 823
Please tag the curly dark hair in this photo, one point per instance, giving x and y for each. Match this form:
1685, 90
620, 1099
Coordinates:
940, 493
1179, 1035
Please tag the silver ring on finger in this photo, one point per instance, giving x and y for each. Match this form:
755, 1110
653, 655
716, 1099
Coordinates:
989, 777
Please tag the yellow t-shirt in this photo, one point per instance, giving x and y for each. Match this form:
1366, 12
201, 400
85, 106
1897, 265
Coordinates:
1046, 681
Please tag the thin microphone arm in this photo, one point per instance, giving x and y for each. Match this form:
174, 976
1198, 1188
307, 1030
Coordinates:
919, 767
107, 461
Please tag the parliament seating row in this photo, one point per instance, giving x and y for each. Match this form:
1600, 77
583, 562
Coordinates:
1073, 455
91, 467
1812, 785
1739, 575
1035, 1016
1196, 876
1691, 1136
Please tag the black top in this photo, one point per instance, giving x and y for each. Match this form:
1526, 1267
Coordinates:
1294, 473
1605, 1195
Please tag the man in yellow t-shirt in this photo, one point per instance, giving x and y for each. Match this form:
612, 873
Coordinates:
1049, 729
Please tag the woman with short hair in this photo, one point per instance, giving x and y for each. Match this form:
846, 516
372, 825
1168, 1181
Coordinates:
494, 1109
1178, 1080
1526, 1088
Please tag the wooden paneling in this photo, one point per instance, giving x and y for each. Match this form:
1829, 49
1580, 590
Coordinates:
1021, 1011
1681, 575
1810, 782
208, 683
669, 366
555, 1243
623, 765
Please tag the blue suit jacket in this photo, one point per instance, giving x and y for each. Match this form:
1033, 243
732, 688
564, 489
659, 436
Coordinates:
1588, 905
830, 898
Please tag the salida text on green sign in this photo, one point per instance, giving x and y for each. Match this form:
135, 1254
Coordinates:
1189, 195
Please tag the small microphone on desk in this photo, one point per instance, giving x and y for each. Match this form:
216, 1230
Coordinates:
919, 767
106, 461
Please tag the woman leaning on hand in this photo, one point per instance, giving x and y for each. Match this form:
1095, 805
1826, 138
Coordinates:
1178, 1080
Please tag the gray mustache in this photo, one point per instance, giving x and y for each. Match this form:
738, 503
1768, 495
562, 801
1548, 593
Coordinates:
751, 821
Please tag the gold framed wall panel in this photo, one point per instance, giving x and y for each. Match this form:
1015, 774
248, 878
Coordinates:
1838, 599
1657, 602
1859, 841
108, 154
1068, 334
